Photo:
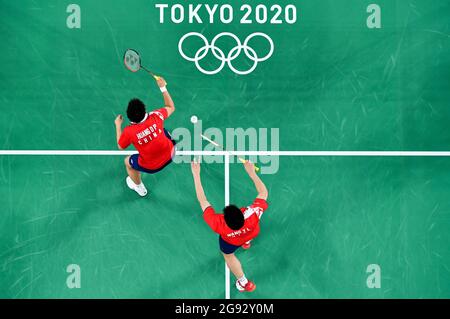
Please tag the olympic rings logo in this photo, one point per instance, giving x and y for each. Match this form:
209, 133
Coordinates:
220, 55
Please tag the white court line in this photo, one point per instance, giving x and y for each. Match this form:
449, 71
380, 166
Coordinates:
227, 202
237, 153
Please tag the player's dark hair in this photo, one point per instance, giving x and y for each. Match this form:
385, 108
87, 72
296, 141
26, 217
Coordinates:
136, 110
234, 218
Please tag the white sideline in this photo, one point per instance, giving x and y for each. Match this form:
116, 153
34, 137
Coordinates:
237, 153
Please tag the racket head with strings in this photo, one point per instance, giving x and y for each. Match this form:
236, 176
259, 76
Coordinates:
132, 60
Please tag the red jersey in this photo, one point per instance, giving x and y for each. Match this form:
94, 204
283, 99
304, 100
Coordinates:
252, 215
148, 137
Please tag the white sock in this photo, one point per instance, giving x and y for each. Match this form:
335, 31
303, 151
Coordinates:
243, 281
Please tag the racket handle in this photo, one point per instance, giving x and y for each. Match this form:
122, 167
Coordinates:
243, 161
149, 72
154, 76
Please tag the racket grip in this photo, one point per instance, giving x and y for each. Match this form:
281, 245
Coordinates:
157, 78
244, 161
153, 75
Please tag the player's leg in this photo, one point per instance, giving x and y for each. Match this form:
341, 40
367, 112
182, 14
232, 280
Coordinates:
134, 174
234, 264
133, 180
242, 283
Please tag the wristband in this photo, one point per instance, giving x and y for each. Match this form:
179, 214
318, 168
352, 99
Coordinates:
163, 89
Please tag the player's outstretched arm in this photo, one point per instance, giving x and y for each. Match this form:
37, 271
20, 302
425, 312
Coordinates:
118, 122
260, 187
168, 102
195, 167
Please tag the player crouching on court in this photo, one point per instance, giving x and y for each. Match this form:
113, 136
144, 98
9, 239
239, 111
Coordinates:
236, 227
148, 135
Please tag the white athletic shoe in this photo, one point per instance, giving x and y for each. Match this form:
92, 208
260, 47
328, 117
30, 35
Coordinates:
140, 189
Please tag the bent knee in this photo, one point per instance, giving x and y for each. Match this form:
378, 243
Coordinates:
127, 161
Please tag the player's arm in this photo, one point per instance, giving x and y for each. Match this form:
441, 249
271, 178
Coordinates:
195, 167
118, 122
168, 102
259, 185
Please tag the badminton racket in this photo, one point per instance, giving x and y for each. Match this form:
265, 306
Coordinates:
219, 146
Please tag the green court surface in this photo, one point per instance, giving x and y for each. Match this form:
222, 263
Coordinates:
331, 84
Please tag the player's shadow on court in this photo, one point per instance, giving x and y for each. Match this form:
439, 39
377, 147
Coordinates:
100, 196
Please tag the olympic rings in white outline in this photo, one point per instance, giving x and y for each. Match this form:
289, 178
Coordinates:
220, 55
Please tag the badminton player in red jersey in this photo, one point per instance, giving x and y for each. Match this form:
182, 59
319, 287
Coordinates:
148, 135
236, 226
